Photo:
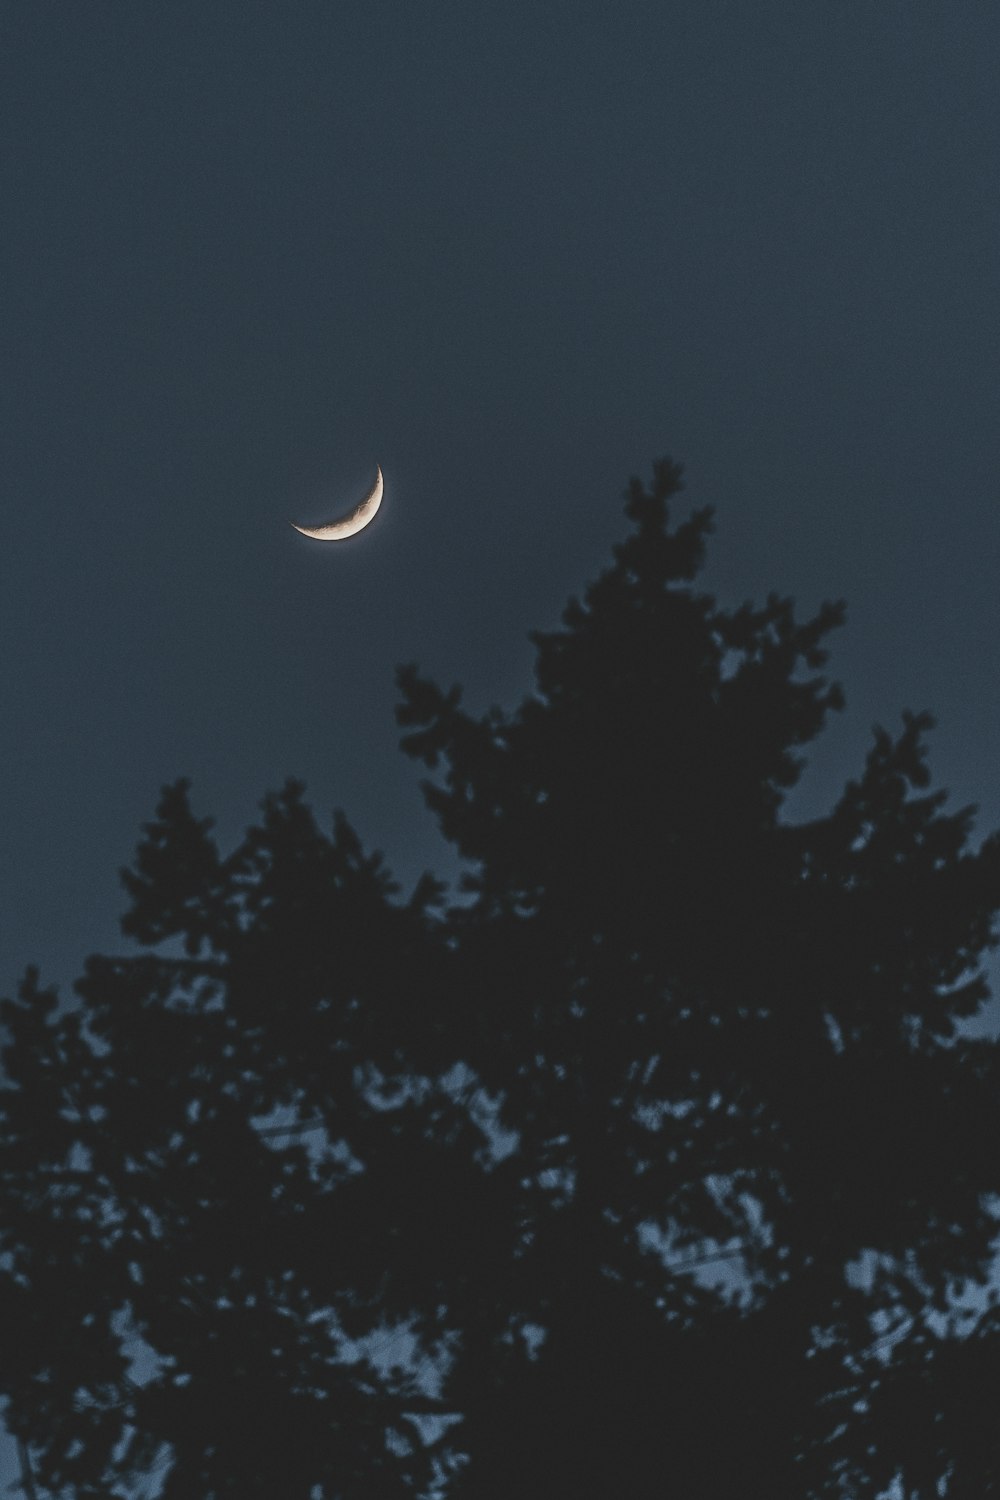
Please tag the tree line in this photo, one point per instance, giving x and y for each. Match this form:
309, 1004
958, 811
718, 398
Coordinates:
659, 1144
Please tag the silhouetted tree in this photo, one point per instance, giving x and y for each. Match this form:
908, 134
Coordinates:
149, 1191
664, 1035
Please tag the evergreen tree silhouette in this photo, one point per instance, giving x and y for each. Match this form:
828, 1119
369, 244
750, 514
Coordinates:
665, 1034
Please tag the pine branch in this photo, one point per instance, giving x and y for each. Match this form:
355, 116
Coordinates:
27, 1475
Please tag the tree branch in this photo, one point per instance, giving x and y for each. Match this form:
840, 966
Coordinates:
27, 1475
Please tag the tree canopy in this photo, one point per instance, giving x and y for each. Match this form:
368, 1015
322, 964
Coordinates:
653, 1162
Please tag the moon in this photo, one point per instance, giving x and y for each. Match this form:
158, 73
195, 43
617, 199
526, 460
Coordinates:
351, 524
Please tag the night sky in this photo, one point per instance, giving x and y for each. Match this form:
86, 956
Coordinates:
511, 253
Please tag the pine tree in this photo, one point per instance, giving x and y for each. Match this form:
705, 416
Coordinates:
199, 1162
717, 1038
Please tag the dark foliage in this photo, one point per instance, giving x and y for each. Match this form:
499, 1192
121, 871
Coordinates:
662, 1142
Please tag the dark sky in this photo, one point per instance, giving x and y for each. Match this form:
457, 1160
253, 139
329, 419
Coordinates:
512, 253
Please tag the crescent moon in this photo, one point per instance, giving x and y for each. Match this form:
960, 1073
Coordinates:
351, 524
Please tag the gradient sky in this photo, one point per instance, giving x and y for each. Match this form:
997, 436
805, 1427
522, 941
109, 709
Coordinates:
512, 253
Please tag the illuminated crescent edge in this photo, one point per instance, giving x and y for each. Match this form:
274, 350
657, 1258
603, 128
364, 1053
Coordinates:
358, 519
